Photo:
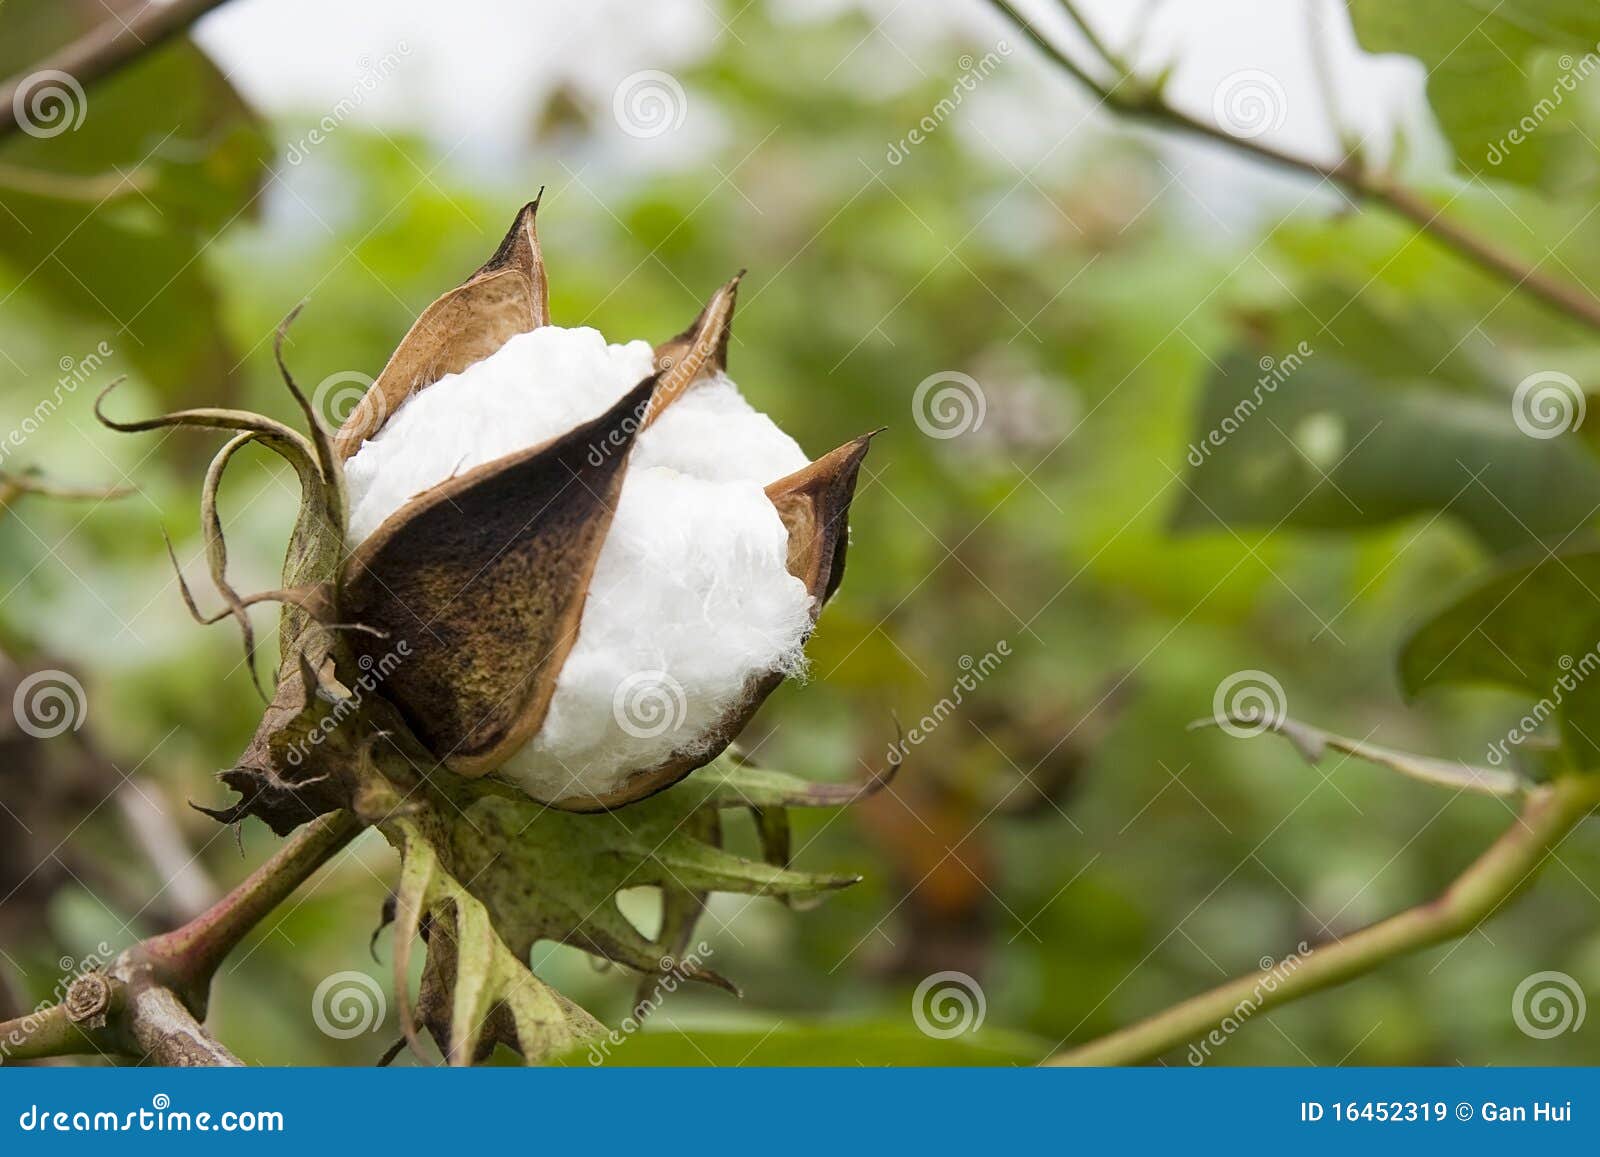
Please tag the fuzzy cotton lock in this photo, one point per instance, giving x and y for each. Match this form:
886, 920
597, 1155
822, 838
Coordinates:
601, 557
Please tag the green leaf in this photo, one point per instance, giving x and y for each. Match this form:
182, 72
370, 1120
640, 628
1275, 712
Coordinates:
787, 1044
1496, 73
1316, 443
111, 219
1533, 627
554, 875
475, 992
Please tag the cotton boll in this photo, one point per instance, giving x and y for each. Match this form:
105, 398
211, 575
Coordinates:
538, 385
691, 598
713, 433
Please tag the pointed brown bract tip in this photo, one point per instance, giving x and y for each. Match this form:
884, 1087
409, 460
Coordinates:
519, 250
814, 504
699, 351
508, 295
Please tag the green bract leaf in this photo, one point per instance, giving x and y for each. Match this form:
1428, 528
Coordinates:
475, 992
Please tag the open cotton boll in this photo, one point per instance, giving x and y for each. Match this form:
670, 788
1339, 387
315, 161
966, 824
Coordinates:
538, 385
691, 597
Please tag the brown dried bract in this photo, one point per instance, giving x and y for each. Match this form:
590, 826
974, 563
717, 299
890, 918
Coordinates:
507, 296
485, 578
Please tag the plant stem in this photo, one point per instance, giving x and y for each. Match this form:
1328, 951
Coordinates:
157, 991
166, 1033
48, 1032
1147, 104
1496, 877
186, 958
106, 47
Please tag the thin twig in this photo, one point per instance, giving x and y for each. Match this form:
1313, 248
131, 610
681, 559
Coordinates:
105, 48
1146, 103
1493, 880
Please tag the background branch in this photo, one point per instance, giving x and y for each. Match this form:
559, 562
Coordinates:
106, 48
1145, 102
1495, 878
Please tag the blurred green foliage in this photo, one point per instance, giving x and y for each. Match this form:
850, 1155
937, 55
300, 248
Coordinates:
1062, 837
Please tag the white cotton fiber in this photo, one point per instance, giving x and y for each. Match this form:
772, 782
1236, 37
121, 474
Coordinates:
691, 595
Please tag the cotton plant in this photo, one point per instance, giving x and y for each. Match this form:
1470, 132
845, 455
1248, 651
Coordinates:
536, 574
